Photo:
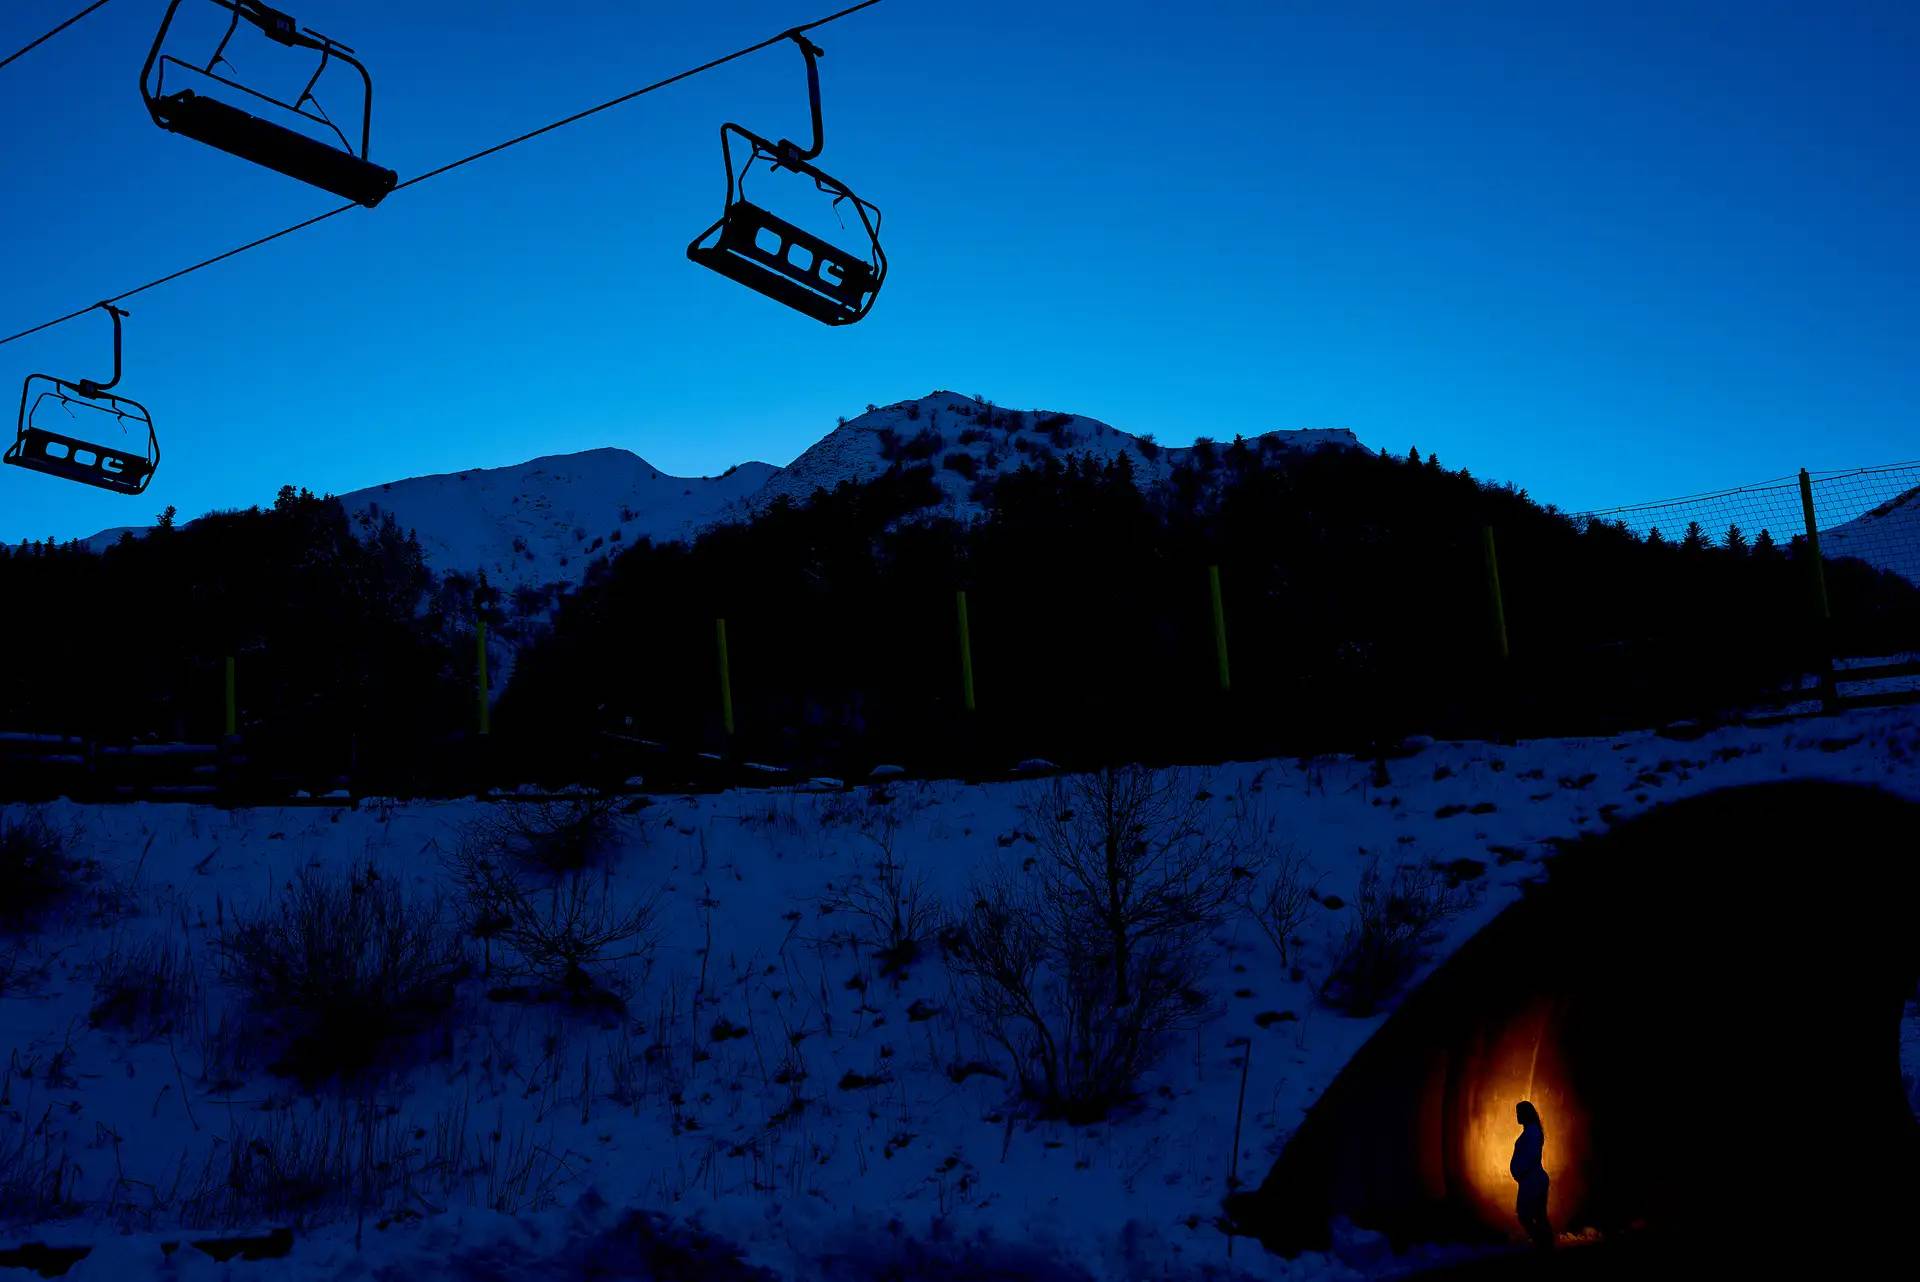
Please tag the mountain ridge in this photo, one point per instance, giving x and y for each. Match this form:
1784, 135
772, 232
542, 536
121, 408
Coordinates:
548, 520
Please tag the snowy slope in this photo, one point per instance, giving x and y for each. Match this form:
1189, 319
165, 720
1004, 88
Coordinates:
1887, 537
722, 1097
950, 425
538, 522
546, 520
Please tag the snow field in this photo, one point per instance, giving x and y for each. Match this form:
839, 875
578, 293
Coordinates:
768, 1082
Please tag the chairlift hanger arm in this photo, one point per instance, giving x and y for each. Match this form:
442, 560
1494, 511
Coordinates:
87, 387
790, 151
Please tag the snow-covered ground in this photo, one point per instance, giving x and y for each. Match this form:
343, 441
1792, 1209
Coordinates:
555, 1125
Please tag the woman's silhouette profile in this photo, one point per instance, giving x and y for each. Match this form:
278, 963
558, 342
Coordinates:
1531, 1176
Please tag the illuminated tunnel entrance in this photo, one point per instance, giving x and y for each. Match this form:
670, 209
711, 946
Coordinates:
1704, 1004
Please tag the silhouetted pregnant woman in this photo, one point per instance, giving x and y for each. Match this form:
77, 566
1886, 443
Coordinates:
1531, 1176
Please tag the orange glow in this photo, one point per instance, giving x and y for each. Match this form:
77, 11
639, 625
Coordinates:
1520, 1060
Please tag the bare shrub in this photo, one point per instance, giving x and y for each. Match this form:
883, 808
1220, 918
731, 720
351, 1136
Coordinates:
1276, 883
1395, 917
564, 930
898, 911
286, 1167
1076, 1049
147, 989
1281, 900
228, 1044
37, 868
306, 1166
303, 1166
341, 968
550, 837
1082, 969
37, 1178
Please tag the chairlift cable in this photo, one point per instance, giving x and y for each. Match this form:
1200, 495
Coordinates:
786, 34
22, 52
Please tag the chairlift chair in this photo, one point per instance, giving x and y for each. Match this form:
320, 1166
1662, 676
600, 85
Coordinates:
122, 468
340, 170
767, 253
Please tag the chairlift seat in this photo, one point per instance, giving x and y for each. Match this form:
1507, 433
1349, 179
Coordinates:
805, 272
73, 459
287, 151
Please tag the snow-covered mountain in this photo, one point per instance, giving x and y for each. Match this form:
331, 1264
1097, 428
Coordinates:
1887, 537
547, 520
968, 440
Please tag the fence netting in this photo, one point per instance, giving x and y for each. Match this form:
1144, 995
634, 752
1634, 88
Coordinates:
1868, 523
1868, 513
1872, 514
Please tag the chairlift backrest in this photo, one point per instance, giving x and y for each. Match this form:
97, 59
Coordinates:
341, 170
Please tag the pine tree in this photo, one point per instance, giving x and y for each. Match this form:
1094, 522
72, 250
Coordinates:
1736, 540
1696, 538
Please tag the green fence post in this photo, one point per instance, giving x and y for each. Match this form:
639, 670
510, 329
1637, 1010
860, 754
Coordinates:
232, 721
1219, 628
966, 649
726, 677
1494, 596
480, 673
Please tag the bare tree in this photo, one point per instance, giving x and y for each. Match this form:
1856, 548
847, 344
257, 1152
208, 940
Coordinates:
1127, 856
1082, 969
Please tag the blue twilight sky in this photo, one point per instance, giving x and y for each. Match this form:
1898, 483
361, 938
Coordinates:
1611, 251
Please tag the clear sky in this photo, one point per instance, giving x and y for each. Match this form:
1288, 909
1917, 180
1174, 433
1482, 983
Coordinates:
1610, 251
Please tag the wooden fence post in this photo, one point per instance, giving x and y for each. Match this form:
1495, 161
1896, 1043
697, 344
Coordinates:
1813, 546
232, 720
480, 677
1219, 629
1824, 616
726, 677
1495, 598
966, 649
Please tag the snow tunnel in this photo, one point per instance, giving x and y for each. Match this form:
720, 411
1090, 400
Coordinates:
1704, 1004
